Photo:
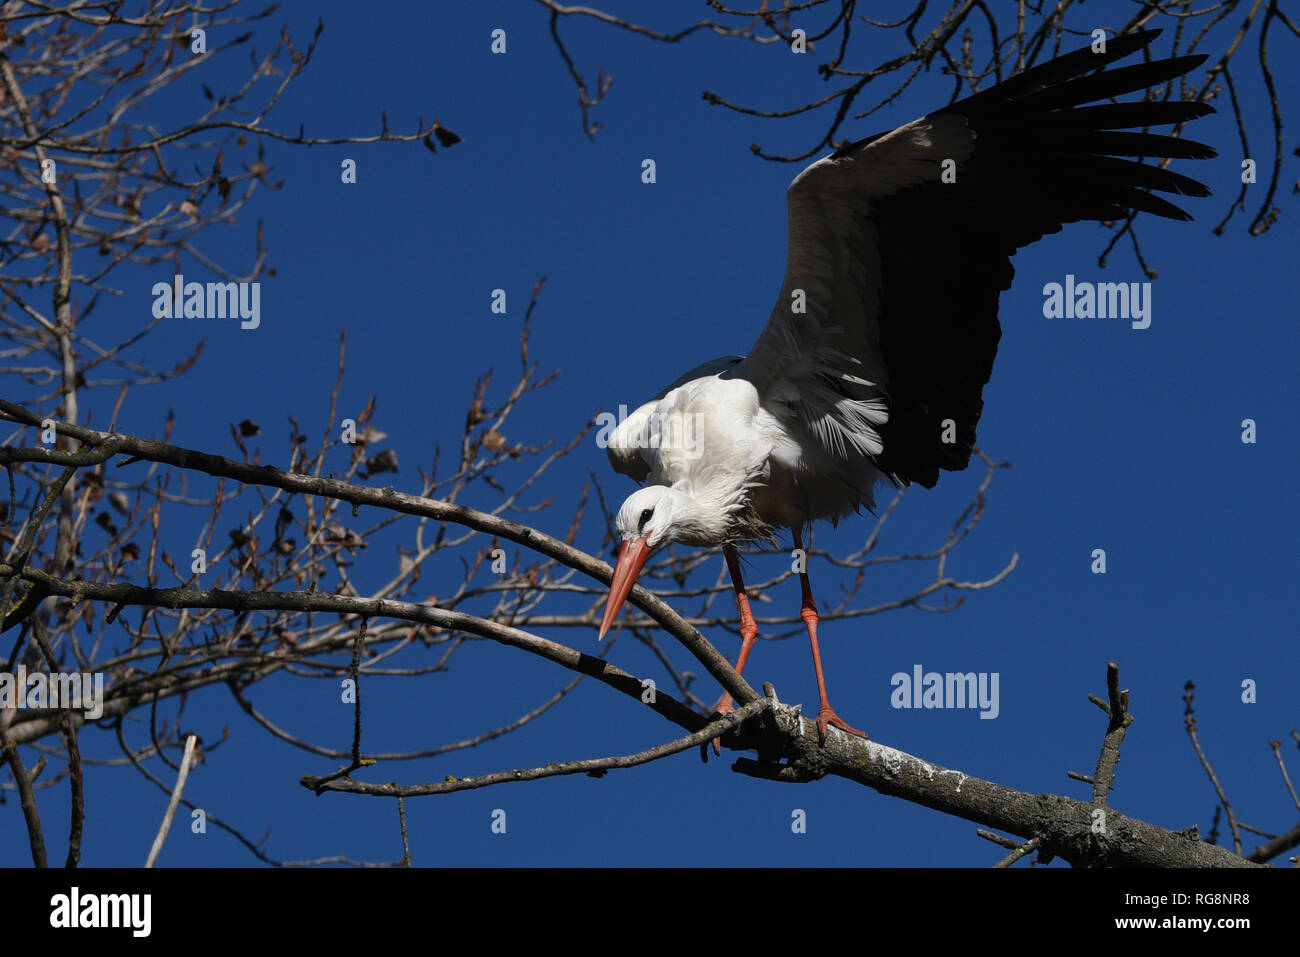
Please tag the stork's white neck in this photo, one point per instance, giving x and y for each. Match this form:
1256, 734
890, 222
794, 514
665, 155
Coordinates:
712, 509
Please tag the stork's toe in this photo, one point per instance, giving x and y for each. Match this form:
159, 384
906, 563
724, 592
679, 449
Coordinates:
724, 707
826, 717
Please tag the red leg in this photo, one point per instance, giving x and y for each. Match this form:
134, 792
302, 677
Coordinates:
748, 634
825, 713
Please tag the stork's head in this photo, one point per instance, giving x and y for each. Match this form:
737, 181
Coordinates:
649, 518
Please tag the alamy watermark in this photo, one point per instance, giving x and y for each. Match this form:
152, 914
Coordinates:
667, 429
130, 911
1101, 300
81, 692
930, 689
179, 299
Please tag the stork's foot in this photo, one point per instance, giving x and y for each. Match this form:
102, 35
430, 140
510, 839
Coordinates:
826, 717
724, 707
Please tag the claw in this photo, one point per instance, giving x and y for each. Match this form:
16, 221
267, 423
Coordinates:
827, 716
724, 707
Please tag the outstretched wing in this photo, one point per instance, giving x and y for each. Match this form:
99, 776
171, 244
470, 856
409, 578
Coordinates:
899, 245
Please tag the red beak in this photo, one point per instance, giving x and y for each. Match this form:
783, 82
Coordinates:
631, 559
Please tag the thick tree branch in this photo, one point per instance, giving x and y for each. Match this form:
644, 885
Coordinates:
789, 750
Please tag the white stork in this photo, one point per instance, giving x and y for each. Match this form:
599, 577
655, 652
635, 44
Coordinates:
887, 321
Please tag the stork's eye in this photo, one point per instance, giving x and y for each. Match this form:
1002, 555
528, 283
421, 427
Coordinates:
645, 517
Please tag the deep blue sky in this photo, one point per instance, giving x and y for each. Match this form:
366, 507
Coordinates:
1123, 440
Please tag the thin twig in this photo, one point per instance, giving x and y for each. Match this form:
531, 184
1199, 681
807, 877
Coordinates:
190, 742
